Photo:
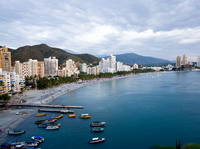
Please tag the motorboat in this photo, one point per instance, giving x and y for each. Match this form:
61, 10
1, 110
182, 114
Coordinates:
96, 140
41, 114
38, 139
85, 116
16, 132
52, 127
31, 143
97, 124
97, 129
39, 121
72, 115
58, 116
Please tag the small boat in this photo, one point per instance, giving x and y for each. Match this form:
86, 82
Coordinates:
72, 115
66, 111
49, 121
97, 129
38, 139
39, 121
97, 124
58, 116
42, 125
31, 143
18, 144
96, 140
85, 116
52, 127
21, 113
41, 114
16, 132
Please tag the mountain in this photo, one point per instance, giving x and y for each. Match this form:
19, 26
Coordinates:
42, 51
132, 58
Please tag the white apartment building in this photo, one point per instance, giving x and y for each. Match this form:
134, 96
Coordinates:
83, 67
108, 65
50, 66
119, 66
69, 69
126, 68
11, 82
93, 70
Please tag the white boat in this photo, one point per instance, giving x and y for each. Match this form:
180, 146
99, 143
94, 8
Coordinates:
38, 139
96, 140
52, 127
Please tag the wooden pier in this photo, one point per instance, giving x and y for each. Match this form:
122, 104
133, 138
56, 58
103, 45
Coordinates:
58, 111
46, 106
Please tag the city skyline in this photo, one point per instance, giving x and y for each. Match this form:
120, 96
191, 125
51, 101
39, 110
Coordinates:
151, 28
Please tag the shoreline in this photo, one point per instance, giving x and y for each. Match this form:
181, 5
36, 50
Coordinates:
9, 119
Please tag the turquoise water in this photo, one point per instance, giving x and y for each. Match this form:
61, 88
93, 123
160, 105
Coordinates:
140, 111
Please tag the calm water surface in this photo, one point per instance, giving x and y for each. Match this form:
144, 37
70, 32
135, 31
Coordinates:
140, 111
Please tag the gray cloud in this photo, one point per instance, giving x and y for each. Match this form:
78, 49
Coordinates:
150, 27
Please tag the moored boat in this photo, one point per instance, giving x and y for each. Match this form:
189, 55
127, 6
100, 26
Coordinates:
85, 116
96, 140
21, 113
31, 143
39, 121
58, 116
52, 127
38, 139
49, 121
41, 114
72, 115
97, 124
97, 129
16, 132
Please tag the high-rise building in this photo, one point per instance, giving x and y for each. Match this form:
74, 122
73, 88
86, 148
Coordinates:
50, 66
40, 69
198, 61
30, 68
71, 67
108, 65
178, 61
83, 67
185, 60
93, 70
10, 82
119, 66
5, 59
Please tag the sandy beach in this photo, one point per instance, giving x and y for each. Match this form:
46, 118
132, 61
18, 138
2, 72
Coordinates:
8, 118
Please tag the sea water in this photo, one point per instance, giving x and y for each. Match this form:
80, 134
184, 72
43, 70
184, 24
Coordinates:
139, 112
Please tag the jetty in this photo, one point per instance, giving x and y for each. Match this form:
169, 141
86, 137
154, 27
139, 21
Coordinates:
58, 111
45, 106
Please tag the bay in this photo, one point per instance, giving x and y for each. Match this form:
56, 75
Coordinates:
139, 112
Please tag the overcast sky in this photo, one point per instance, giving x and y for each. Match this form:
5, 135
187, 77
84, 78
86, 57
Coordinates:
159, 28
